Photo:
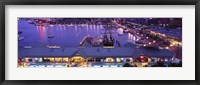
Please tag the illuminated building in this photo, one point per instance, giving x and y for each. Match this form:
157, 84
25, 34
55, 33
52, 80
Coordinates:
93, 56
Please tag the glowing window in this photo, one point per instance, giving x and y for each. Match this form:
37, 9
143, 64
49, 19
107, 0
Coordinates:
51, 59
58, 59
65, 59
109, 60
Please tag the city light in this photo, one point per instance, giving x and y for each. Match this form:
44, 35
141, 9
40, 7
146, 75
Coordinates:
150, 43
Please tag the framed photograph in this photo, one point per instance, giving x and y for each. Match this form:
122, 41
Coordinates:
99, 42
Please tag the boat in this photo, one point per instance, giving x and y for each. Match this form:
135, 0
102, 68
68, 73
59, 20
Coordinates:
51, 25
70, 24
20, 38
53, 46
50, 36
27, 46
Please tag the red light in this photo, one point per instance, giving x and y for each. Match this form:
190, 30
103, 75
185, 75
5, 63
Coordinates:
142, 58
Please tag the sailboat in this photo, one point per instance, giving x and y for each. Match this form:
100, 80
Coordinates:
20, 38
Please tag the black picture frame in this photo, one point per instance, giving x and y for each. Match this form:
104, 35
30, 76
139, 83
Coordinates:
98, 2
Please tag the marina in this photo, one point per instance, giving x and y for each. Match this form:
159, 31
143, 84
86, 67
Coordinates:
99, 42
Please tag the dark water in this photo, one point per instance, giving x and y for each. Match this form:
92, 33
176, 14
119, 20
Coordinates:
65, 35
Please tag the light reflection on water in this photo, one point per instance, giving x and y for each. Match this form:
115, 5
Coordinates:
66, 35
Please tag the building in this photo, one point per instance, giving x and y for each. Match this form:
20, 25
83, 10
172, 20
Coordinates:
92, 56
